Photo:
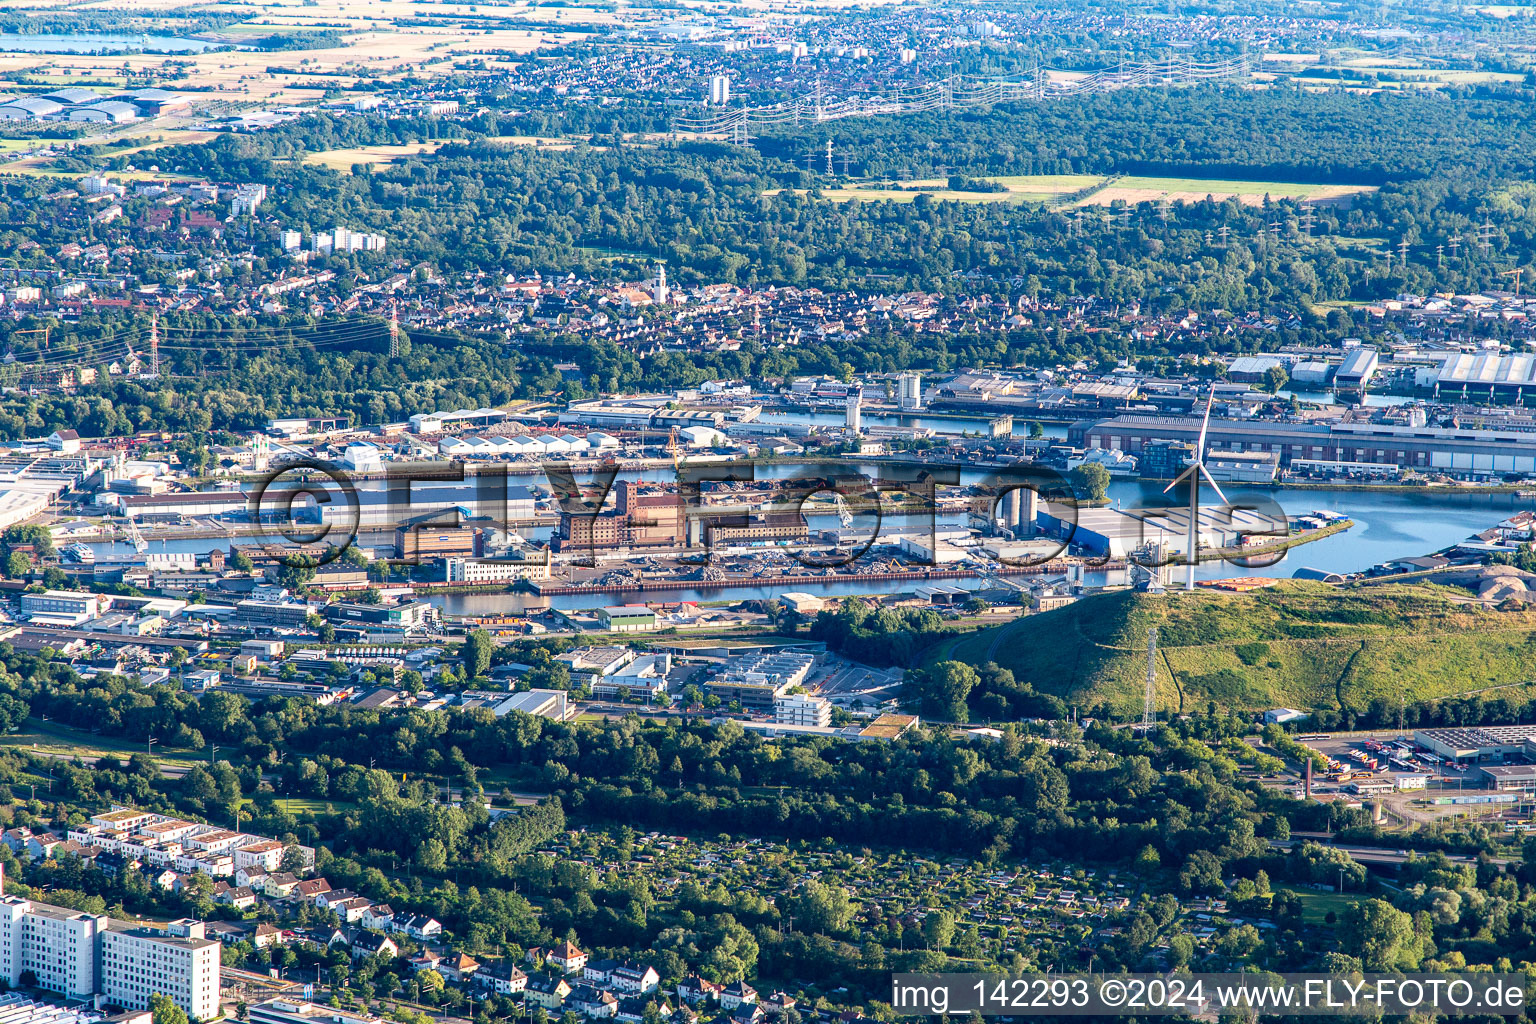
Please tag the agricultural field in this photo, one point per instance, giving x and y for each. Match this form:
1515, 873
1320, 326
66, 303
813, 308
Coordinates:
343, 160
1296, 644
1133, 190
1058, 188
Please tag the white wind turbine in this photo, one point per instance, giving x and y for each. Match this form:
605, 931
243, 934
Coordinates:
1195, 471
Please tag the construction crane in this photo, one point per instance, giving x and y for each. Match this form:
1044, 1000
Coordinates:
673, 449
140, 545
1517, 274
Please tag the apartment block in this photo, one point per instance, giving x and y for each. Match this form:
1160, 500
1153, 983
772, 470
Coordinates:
53, 945
180, 962
802, 709
80, 955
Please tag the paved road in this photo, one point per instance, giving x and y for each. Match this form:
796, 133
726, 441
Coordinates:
1379, 855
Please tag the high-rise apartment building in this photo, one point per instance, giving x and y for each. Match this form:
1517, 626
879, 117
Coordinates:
80, 955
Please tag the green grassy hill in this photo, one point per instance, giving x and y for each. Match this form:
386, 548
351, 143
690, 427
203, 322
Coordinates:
1296, 644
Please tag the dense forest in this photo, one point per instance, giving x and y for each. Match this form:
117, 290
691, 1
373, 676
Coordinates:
1446, 164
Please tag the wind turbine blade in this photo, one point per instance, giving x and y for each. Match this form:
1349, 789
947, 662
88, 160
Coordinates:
1212, 482
1179, 479
1204, 425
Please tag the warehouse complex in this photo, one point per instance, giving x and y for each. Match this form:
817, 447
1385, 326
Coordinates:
1474, 744
1466, 453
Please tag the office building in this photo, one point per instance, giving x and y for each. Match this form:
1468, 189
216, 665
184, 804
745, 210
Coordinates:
63, 607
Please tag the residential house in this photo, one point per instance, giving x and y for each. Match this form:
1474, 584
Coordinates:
325, 900
350, 910
241, 897
378, 917
547, 991
16, 839
737, 993
279, 884
42, 845
228, 932
778, 1004
694, 989
418, 926
264, 935
632, 1010
566, 957
503, 977
373, 944
308, 889
254, 877
593, 1002
458, 967
599, 972
634, 979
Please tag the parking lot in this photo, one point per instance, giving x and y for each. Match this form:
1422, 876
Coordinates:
1411, 784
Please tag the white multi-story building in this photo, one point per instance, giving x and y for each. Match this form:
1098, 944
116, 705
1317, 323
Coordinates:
911, 395
474, 570
53, 948
802, 709
247, 199
180, 962
80, 955
267, 855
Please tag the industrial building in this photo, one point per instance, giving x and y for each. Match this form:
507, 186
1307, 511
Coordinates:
106, 112
1473, 744
1243, 467
1454, 451
627, 618
1509, 778
1116, 533
1357, 369
1480, 376
29, 108
660, 520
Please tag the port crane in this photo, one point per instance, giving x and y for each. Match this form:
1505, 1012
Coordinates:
140, 545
